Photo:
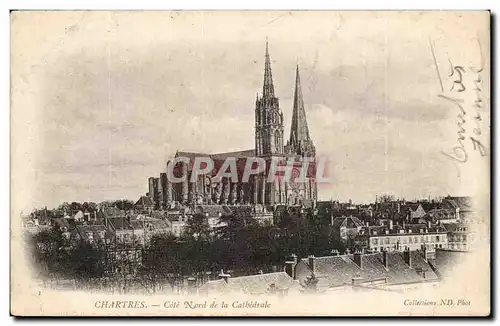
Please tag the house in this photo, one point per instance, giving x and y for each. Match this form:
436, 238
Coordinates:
79, 216
33, 227
89, 233
124, 231
213, 213
378, 270
346, 227
153, 226
64, 225
442, 215
279, 283
415, 210
399, 238
144, 204
460, 236
462, 206
176, 223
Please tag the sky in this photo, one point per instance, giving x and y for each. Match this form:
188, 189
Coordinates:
101, 100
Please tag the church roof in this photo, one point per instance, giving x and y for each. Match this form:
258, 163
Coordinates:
217, 156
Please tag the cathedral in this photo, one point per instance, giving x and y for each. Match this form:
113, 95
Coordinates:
269, 145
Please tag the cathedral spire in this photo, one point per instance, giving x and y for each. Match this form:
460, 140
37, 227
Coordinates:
268, 89
299, 132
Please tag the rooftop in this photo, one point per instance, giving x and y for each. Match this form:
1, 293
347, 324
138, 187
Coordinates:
333, 271
253, 284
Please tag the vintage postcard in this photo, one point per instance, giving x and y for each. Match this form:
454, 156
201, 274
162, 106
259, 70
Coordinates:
250, 163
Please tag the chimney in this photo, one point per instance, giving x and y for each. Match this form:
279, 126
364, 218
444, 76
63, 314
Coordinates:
311, 262
224, 276
429, 253
356, 280
335, 252
429, 224
384, 259
407, 257
358, 259
290, 266
191, 285
390, 225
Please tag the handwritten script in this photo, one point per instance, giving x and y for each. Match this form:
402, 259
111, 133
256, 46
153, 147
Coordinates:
463, 88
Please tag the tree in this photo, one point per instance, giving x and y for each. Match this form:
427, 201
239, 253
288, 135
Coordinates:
65, 207
385, 198
163, 259
123, 204
87, 260
50, 253
197, 227
75, 207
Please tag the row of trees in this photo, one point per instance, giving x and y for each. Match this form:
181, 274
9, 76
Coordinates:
44, 214
241, 245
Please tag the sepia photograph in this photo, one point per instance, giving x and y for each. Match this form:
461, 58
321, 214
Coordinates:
250, 163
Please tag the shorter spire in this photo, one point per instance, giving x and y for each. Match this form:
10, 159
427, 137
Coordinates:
299, 131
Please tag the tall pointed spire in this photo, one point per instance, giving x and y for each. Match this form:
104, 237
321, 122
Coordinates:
299, 132
268, 89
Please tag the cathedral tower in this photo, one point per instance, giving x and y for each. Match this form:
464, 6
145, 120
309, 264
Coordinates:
300, 145
268, 117
300, 142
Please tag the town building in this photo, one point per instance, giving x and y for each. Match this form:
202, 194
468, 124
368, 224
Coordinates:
346, 227
177, 223
442, 215
463, 207
415, 211
89, 233
144, 204
399, 238
460, 236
